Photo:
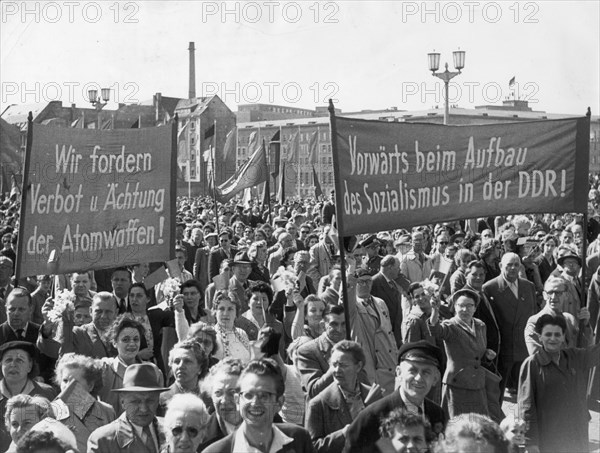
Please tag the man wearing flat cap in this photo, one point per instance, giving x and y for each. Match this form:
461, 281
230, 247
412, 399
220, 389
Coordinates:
372, 259
371, 326
239, 283
570, 263
137, 429
417, 372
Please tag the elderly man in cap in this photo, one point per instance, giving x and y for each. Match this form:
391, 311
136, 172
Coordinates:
321, 256
371, 326
201, 260
239, 283
570, 263
137, 429
372, 259
415, 264
418, 372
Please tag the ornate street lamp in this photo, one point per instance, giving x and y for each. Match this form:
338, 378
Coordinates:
446, 76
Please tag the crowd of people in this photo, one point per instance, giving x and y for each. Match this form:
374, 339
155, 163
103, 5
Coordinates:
266, 337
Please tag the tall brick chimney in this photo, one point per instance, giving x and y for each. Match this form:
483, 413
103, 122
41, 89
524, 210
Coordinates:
192, 92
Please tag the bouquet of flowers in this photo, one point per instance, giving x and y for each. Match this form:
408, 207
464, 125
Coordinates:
170, 288
63, 301
430, 288
289, 279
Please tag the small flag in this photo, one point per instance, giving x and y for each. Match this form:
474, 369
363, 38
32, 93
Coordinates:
312, 148
208, 158
182, 130
275, 153
252, 142
15, 191
511, 82
108, 124
281, 188
293, 145
209, 132
252, 173
317, 184
230, 143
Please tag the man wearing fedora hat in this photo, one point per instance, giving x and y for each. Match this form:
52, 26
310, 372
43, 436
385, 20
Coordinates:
418, 371
239, 283
570, 263
372, 259
137, 429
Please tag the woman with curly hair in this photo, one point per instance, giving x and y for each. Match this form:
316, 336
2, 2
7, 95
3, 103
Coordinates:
188, 361
89, 414
232, 341
490, 254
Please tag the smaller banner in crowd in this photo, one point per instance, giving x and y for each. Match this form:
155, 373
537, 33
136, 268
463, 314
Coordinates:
96, 199
250, 174
398, 175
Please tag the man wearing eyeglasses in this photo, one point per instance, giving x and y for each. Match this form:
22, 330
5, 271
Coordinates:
260, 398
554, 295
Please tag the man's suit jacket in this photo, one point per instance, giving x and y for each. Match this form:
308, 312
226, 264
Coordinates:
215, 258
85, 340
485, 313
158, 319
313, 363
363, 432
393, 300
321, 260
511, 314
9, 288
326, 416
300, 444
31, 334
120, 436
200, 272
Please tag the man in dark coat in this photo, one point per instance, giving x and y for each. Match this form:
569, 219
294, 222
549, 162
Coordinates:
386, 288
513, 301
418, 371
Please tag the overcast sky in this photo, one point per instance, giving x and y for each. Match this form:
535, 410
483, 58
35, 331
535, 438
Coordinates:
364, 54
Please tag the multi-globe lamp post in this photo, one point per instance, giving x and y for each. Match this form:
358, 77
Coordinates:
97, 102
446, 76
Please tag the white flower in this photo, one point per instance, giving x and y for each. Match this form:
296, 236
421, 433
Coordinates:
429, 287
170, 288
63, 301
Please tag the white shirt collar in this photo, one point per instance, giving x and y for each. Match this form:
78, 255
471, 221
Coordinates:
241, 445
413, 408
139, 430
